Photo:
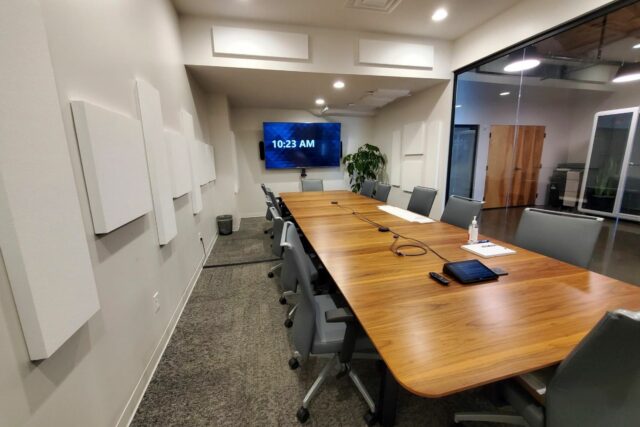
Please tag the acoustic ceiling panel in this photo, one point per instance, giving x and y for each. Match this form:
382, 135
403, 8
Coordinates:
178, 163
395, 54
412, 168
186, 121
413, 136
114, 165
157, 161
239, 41
396, 157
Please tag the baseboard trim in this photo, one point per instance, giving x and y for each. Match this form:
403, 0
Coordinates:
252, 215
130, 409
238, 227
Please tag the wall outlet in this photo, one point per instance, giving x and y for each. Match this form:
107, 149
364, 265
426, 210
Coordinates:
156, 301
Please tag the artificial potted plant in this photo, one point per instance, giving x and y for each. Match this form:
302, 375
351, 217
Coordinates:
603, 196
366, 163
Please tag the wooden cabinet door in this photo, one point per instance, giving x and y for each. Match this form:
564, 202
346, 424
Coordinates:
513, 165
497, 184
527, 163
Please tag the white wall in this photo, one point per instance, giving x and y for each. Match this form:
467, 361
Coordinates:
525, 19
247, 126
430, 105
332, 50
98, 48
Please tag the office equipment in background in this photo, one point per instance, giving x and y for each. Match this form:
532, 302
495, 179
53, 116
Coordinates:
487, 250
564, 236
301, 145
421, 200
470, 271
564, 173
405, 214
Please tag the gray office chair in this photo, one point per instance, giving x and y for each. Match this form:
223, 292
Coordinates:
382, 192
320, 328
421, 200
564, 236
367, 188
276, 249
598, 384
267, 215
312, 185
460, 211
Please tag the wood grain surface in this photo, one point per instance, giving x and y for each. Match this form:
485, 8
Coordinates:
439, 340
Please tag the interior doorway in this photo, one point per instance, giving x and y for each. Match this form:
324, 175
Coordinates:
513, 165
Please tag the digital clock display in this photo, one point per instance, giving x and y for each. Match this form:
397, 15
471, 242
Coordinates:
301, 145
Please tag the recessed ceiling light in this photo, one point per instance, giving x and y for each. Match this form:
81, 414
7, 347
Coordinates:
338, 84
525, 64
636, 46
505, 93
319, 101
629, 72
440, 14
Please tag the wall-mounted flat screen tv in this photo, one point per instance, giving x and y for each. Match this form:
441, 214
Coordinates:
301, 145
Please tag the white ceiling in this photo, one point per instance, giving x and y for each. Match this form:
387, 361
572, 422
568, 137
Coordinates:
296, 90
409, 17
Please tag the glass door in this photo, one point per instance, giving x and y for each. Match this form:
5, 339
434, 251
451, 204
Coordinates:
463, 160
612, 132
630, 205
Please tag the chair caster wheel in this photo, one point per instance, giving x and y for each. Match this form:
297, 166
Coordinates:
302, 415
270, 274
271, 236
370, 418
293, 363
282, 300
266, 231
288, 323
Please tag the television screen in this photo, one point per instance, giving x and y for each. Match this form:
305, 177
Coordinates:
301, 145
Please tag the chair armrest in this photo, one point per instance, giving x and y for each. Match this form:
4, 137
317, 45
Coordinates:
339, 315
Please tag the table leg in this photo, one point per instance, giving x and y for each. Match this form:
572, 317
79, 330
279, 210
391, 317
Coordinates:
387, 399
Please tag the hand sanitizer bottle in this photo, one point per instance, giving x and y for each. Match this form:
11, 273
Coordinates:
473, 231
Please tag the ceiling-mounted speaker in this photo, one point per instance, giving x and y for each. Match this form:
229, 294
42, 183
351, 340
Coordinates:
261, 148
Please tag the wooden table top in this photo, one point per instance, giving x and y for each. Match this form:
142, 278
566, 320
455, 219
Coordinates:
439, 340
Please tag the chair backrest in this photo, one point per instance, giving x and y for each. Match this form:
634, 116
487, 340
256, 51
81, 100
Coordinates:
598, 383
274, 201
278, 224
305, 324
382, 192
421, 200
367, 187
460, 211
567, 237
312, 185
264, 188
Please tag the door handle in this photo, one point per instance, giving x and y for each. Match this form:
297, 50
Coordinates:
634, 164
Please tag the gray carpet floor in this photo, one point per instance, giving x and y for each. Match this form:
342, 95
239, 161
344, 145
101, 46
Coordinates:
226, 364
249, 244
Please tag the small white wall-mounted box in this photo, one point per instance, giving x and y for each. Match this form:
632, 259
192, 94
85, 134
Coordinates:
114, 165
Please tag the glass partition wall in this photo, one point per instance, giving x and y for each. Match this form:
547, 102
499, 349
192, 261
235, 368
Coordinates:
554, 124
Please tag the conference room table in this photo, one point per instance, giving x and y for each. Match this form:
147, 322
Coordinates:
438, 340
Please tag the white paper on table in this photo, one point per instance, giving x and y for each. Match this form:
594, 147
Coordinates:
405, 214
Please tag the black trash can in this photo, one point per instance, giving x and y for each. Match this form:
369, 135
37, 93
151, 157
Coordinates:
225, 224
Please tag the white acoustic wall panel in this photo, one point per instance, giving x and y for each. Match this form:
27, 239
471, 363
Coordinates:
396, 158
42, 233
239, 41
234, 160
412, 172
203, 163
114, 165
212, 162
432, 154
157, 161
395, 54
413, 138
186, 121
178, 163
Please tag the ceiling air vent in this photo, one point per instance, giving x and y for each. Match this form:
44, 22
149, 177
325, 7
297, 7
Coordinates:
385, 6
